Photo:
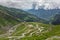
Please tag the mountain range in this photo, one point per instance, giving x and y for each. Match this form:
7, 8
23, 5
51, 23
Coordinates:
12, 16
45, 14
56, 19
17, 24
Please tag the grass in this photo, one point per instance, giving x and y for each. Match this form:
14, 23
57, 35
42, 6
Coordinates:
55, 31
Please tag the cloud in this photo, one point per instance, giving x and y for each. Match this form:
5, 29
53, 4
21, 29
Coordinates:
27, 4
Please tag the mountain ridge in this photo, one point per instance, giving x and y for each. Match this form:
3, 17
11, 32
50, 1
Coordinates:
45, 14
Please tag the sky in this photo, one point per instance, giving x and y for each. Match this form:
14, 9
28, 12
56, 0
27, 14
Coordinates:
27, 4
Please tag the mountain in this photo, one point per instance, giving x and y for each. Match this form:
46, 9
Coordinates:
11, 16
21, 15
44, 14
56, 19
16, 24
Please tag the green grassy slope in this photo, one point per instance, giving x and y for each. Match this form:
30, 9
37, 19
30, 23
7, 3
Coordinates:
19, 14
11, 16
47, 31
6, 22
20, 25
38, 30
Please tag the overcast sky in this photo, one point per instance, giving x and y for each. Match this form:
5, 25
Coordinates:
27, 4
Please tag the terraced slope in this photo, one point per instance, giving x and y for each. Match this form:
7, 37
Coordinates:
17, 24
11, 16
33, 31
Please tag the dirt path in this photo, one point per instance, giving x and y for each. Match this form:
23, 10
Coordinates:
35, 29
26, 32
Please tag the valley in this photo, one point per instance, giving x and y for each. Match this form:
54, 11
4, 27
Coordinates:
17, 24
